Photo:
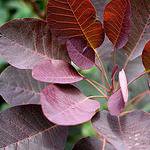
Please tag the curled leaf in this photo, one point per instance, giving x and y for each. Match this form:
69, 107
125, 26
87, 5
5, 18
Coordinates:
79, 52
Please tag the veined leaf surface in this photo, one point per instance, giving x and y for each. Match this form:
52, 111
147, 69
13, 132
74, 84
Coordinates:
71, 18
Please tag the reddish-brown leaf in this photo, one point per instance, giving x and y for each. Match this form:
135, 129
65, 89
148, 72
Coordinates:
146, 56
126, 132
117, 22
55, 71
66, 105
71, 18
26, 42
25, 128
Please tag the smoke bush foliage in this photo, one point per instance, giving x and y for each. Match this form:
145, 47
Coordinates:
48, 59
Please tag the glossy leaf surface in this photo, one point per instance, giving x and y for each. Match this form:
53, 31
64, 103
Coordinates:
66, 105
25, 127
17, 87
55, 71
79, 52
128, 131
117, 22
69, 18
26, 42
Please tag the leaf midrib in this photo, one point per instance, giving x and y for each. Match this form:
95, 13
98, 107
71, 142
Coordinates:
80, 25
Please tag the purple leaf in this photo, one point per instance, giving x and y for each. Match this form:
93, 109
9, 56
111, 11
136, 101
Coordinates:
123, 85
140, 29
126, 132
82, 55
106, 49
91, 143
134, 69
25, 127
18, 87
66, 105
116, 103
55, 71
26, 42
117, 100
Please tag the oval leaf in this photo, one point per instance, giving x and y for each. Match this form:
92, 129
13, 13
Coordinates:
70, 18
17, 87
91, 143
146, 56
82, 55
55, 71
127, 132
66, 105
117, 22
25, 127
26, 42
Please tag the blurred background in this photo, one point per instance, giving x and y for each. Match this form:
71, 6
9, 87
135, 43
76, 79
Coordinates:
11, 9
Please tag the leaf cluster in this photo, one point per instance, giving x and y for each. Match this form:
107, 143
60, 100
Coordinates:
47, 59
